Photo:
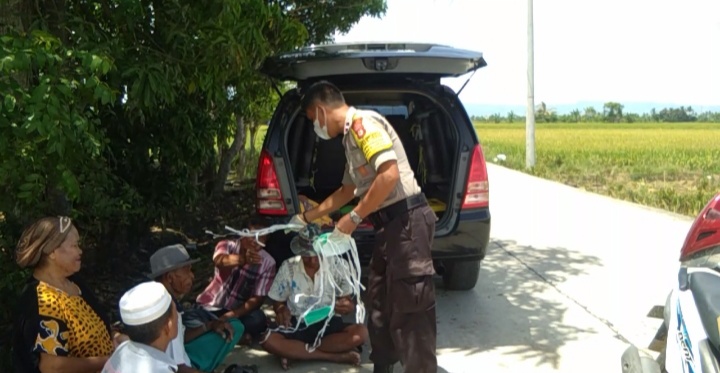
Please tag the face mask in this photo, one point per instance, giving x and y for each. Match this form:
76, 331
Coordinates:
333, 243
322, 132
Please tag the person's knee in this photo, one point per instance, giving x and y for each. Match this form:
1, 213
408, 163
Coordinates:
237, 326
271, 341
358, 334
255, 322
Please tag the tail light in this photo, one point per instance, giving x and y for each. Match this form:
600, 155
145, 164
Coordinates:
269, 197
477, 191
704, 233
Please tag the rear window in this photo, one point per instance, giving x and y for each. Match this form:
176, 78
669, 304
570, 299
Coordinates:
386, 110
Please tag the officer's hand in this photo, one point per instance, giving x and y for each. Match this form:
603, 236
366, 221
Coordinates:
296, 220
346, 225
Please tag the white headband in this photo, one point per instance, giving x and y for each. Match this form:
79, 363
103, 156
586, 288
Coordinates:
144, 303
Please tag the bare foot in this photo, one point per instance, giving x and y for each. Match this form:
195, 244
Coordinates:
284, 363
350, 357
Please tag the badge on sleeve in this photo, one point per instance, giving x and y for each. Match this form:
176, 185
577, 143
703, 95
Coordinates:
371, 138
357, 127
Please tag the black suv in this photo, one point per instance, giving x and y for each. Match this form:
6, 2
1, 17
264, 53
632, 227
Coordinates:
402, 82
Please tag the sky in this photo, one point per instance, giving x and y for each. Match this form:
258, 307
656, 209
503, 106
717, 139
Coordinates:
659, 51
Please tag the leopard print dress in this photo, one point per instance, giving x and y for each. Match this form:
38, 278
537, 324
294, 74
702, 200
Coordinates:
57, 323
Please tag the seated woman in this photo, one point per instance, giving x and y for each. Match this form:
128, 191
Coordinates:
297, 276
60, 325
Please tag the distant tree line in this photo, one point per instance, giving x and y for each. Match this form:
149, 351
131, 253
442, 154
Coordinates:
612, 112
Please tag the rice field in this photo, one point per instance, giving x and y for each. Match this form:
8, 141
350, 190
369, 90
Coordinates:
675, 166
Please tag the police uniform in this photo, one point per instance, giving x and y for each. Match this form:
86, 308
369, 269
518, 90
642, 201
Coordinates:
402, 294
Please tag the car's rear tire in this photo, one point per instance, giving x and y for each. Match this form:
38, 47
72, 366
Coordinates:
461, 275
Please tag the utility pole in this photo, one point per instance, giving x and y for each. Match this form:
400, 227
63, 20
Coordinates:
530, 116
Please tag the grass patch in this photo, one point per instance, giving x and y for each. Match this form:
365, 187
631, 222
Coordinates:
675, 167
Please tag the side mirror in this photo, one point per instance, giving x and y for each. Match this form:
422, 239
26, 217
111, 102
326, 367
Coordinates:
683, 279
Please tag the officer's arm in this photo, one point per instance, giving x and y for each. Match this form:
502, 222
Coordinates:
338, 199
377, 147
386, 179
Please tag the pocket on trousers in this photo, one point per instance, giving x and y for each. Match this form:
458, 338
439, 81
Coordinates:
412, 294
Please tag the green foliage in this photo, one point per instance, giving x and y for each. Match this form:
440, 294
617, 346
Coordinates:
669, 166
50, 132
117, 113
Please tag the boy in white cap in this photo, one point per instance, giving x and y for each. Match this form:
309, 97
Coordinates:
150, 321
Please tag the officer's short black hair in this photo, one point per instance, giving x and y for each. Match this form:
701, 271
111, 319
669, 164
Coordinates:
323, 92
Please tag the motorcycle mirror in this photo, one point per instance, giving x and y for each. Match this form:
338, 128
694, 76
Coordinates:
683, 282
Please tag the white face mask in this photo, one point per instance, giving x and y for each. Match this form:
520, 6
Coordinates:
322, 132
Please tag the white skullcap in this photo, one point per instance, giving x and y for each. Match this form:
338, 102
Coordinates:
144, 303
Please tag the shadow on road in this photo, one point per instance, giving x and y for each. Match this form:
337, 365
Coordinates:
513, 308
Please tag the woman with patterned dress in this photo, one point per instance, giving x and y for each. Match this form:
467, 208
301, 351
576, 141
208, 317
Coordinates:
60, 326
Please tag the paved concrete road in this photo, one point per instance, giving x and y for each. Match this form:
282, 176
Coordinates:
569, 279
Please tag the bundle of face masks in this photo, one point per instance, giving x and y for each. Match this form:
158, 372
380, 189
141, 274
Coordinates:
338, 258
339, 264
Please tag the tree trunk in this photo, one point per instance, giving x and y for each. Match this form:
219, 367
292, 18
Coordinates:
16, 15
253, 135
229, 155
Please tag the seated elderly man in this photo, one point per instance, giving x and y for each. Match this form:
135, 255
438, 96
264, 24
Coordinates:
299, 276
203, 341
244, 272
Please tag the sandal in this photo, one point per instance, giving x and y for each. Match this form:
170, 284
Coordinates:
234, 368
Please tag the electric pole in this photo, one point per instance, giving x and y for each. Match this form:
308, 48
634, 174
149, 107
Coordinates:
530, 116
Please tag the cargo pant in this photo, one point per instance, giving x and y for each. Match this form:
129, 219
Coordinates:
402, 321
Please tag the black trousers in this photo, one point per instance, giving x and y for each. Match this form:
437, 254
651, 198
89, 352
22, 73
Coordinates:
402, 321
255, 322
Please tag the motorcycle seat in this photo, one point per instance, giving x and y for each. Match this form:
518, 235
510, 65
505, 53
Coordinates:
705, 288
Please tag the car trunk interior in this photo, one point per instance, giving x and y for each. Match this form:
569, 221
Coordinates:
429, 138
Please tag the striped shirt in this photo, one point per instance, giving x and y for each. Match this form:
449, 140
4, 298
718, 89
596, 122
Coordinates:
231, 287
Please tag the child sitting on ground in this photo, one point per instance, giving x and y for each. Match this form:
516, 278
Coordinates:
299, 276
150, 321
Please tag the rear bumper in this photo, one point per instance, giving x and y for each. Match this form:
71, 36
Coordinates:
468, 241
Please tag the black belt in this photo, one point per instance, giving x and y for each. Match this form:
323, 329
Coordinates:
388, 213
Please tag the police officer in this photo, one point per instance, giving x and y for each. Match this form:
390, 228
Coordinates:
402, 321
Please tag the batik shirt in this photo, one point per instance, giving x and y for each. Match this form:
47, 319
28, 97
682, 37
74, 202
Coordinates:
56, 323
293, 280
232, 287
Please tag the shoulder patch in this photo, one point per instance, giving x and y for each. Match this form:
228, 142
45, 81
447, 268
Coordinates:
371, 138
357, 127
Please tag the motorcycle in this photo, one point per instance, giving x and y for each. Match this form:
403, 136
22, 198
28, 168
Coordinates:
692, 309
